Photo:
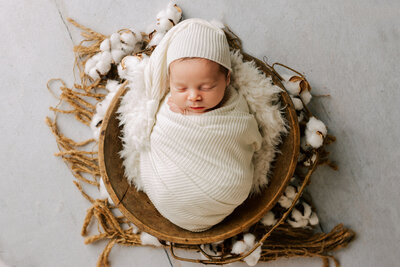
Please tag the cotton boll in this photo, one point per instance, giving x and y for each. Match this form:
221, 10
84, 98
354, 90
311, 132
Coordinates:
314, 219
132, 67
115, 41
269, 219
122, 71
173, 12
298, 224
298, 105
105, 45
288, 196
147, 239
253, 258
90, 64
104, 63
103, 67
296, 214
137, 35
98, 64
162, 14
306, 97
292, 87
94, 74
106, 57
174, 15
128, 38
285, 202
163, 25
315, 140
127, 49
307, 210
131, 62
238, 247
117, 55
127, 62
249, 239
156, 39
315, 132
301, 218
290, 192
316, 125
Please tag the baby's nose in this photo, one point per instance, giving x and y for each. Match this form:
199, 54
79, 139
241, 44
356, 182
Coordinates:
194, 96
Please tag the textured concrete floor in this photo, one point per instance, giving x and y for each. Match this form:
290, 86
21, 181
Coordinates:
348, 49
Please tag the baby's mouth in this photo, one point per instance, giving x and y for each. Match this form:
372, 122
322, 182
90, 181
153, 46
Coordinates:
196, 108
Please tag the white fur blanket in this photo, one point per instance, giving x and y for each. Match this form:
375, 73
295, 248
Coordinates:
199, 167
260, 93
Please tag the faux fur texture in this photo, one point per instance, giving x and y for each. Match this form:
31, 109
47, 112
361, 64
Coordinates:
263, 100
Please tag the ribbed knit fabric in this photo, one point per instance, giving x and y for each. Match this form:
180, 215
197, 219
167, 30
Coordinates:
200, 40
199, 167
209, 41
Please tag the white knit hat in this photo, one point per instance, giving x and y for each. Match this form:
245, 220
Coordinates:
203, 40
192, 37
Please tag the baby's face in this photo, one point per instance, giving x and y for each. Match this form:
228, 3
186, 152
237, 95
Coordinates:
197, 84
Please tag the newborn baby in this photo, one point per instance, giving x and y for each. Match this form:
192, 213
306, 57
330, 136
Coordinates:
197, 85
198, 168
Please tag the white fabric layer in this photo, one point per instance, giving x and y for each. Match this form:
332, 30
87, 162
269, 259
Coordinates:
199, 167
155, 72
260, 93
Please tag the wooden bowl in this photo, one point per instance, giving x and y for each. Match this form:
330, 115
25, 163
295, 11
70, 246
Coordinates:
137, 207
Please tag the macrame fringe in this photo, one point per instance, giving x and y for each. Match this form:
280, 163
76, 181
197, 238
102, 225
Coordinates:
284, 242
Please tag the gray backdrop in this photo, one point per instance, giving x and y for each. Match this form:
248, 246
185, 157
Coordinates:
348, 49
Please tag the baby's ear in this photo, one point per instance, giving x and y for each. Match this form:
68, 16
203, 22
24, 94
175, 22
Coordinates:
228, 78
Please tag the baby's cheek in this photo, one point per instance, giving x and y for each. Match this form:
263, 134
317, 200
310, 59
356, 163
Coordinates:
177, 100
174, 107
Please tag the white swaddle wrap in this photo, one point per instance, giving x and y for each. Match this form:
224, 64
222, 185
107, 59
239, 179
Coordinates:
199, 167
196, 169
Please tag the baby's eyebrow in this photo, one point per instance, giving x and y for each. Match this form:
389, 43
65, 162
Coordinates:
208, 82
